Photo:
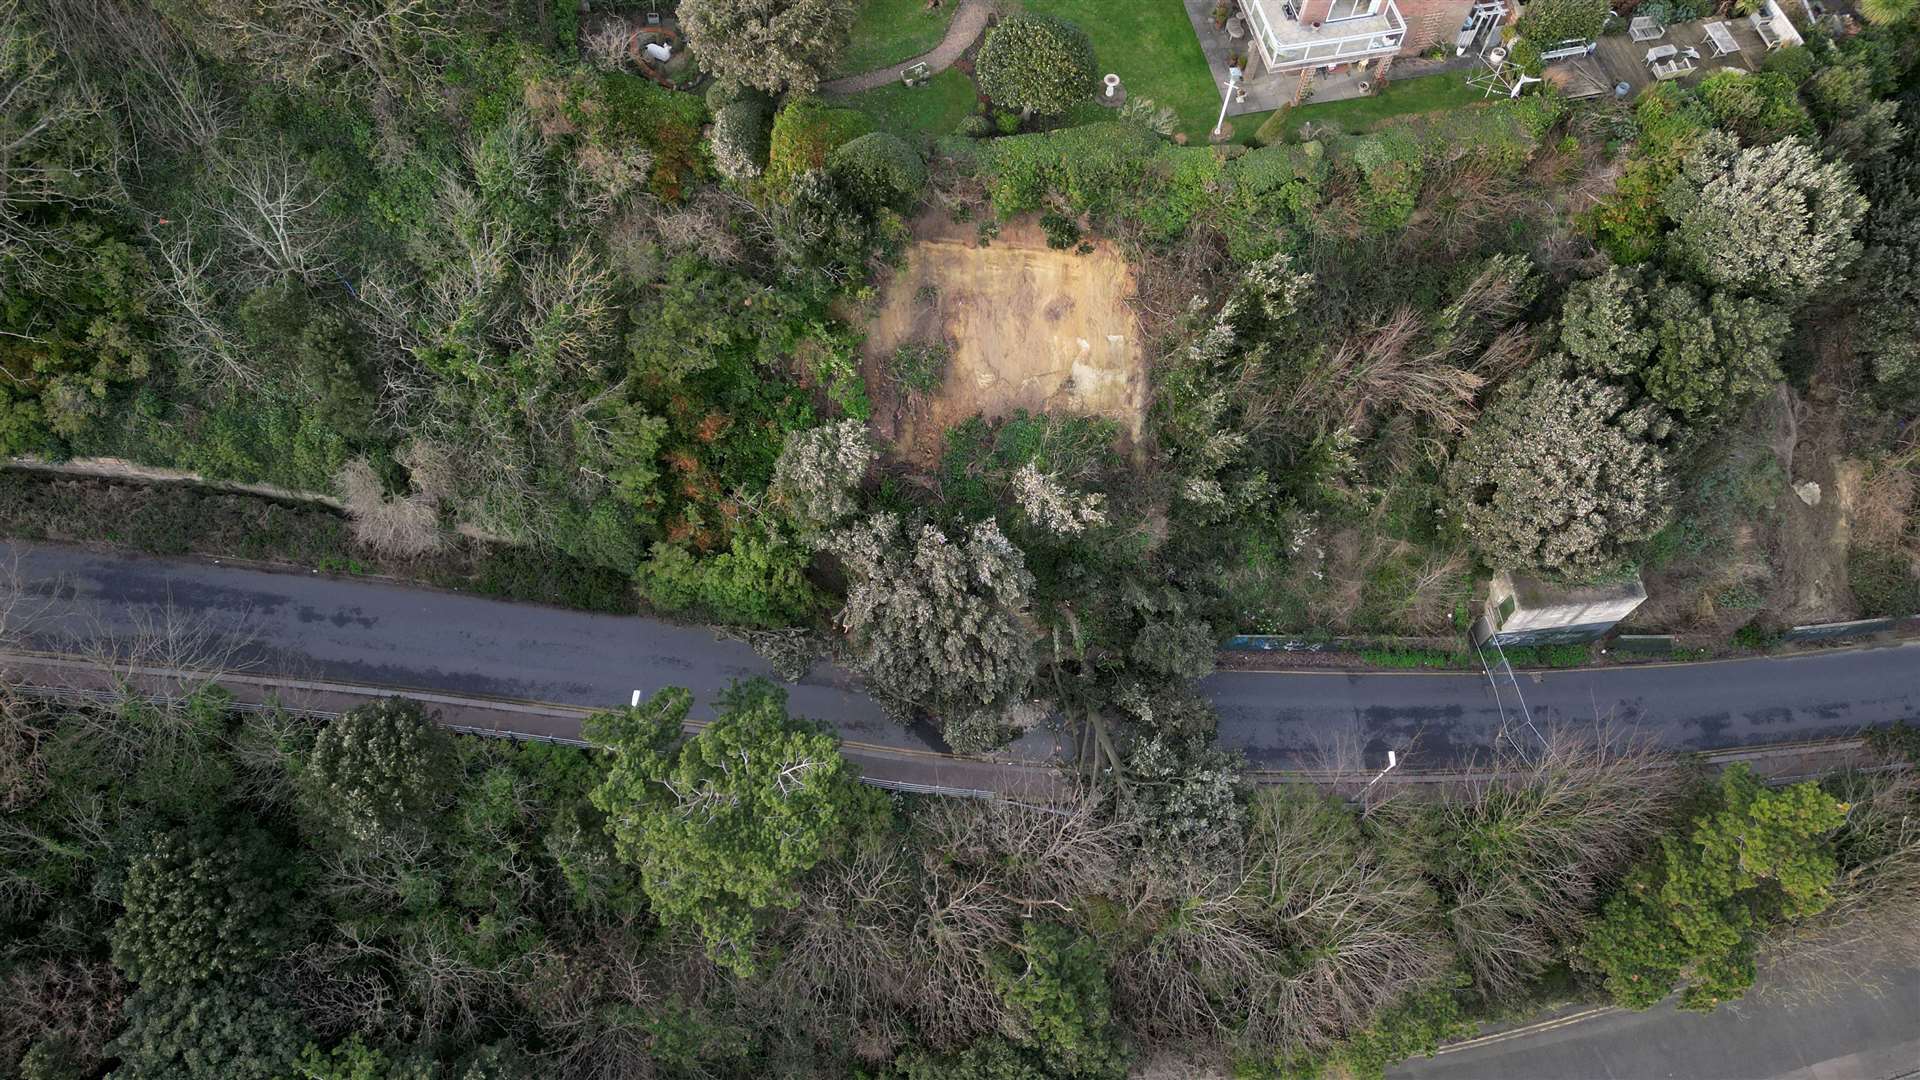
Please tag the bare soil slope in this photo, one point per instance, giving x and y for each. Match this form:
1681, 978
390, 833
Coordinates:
1029, 328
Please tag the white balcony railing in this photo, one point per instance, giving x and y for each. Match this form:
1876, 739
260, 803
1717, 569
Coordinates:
1286, 43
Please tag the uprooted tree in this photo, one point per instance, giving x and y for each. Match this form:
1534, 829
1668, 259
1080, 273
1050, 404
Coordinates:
938, 624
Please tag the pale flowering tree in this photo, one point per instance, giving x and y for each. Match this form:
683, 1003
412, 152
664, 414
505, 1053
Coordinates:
1052, 508
818, 475
1561, 475
382, 768
1775, 219
776, 45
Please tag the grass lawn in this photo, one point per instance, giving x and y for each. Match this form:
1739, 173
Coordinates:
1400, 98
1150, 44
934, 109
889, 31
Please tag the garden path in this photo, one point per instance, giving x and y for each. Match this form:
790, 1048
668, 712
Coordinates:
961, 34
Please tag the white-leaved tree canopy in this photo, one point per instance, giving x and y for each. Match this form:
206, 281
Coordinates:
1775, 220
776, 45
1561, 475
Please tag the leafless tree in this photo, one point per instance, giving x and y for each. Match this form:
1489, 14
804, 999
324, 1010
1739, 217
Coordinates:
273, 217
190, 311
595, 1003
59, 146
610, 46
1386, 368
306, 41
847, 952
1528, 843
75, 999
1873, 925
1302, 940
1364, 917
700, 225
23, 769
1188, 982
166, 650
335, 997
567, 309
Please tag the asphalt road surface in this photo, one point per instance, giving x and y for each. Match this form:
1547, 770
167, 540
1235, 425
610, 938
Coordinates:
1280, 717
1862, 1031
376, 632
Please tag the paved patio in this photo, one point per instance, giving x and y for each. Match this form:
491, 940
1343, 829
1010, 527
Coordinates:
1622, 59
1263, 90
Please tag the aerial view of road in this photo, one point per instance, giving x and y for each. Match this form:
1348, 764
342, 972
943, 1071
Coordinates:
382, 634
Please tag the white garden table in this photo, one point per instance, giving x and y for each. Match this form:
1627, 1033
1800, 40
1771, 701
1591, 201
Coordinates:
1720, 38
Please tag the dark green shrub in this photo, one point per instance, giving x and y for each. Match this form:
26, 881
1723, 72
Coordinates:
975, 127
222, 1031
805, 132
1391, 170
1547, 23
879, 170
1884, 583
1761, 633
1062, 231
201, 904
1036, 64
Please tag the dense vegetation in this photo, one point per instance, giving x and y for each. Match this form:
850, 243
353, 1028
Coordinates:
188, 889
550, 322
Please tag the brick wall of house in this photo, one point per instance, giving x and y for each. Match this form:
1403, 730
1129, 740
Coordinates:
1431, 21
1313, 11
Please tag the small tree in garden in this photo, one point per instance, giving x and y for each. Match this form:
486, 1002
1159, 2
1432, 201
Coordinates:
1037, 64
1775, 220
880, 170
1547, 23
1561, 475
722, 825
741, 131
776, 45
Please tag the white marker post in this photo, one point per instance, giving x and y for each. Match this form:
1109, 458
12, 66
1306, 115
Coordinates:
1393, 760
1233, 83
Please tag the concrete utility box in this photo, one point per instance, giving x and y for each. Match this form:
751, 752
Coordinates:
1525, 610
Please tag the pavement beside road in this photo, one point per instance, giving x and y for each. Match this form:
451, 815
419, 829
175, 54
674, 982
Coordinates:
1868, 1030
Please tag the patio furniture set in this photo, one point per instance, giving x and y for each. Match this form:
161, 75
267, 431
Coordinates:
1670, 61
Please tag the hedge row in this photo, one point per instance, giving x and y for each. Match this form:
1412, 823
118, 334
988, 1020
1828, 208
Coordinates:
1253, 196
